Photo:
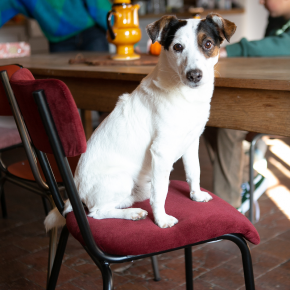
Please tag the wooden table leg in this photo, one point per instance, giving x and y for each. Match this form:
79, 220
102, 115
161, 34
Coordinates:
86, 117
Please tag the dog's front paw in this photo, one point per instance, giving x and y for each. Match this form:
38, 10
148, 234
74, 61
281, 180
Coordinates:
166, 221
200, 196
138, 214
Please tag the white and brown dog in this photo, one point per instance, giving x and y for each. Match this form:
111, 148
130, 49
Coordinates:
130, 155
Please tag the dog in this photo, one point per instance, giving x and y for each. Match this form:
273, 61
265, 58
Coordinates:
130, 155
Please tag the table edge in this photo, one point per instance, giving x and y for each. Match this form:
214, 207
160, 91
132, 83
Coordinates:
264, 84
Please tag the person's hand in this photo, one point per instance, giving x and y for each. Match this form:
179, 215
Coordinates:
223, 53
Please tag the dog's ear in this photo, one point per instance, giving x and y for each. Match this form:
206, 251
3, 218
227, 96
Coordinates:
158, 30
225, 28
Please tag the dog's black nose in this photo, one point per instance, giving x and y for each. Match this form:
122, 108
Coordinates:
194, 75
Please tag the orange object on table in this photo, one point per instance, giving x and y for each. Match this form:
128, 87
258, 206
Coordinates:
125, 32
155, 48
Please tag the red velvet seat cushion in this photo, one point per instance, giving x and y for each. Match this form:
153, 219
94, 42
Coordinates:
63, 110
9, 137
197, 222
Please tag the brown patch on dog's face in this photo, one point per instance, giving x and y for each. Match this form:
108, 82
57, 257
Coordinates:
164, 29
224, 27
154, 29
229, 29
208, 40
211, 32
207, 45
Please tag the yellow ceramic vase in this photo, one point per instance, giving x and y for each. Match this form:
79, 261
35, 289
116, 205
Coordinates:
125, 31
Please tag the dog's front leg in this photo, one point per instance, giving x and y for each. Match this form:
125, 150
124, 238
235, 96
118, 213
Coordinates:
161, 167
192, 171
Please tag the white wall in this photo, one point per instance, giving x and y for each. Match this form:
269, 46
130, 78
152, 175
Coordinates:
13, 34
251, 24
256, 18
30, 32
37, 40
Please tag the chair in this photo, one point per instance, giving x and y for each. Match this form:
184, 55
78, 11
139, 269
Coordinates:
46, 106
26, 173
253, 138
10, 139
9, 136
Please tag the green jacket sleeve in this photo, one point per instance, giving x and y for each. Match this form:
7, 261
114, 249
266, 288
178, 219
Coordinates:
268, 46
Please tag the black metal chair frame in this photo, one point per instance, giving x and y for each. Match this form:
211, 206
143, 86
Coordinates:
3, 178
42, 189
6, 176
101, 259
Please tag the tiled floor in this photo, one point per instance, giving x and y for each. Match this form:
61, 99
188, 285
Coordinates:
24, 244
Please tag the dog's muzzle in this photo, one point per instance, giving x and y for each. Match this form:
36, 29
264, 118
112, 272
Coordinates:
194, 75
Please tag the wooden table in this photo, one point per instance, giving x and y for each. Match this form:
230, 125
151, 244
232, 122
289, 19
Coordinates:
250, 94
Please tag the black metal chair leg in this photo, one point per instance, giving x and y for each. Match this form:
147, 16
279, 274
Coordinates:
58, 259
247, 259
107, 276
154, 263
2, 198
188, 268
46, 210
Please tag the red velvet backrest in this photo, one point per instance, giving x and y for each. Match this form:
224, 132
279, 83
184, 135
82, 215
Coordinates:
5, 109
62, 107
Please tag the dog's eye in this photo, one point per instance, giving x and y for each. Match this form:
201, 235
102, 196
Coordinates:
208, 44
178, 47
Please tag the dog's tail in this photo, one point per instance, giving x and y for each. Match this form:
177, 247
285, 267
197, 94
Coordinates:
55, 219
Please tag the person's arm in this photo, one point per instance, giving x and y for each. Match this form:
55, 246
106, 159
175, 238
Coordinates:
7, 11
268, 46
98, 10
10, 8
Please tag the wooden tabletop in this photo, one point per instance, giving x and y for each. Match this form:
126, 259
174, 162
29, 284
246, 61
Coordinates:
257, 73
250, 94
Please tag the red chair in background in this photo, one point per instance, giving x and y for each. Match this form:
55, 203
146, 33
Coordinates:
26, 173
53, 123
20, 171
9, 136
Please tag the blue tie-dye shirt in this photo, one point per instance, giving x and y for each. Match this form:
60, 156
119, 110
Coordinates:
58, 19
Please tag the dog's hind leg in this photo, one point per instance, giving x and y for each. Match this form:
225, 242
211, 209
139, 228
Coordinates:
127, 213
110, 195
142, 188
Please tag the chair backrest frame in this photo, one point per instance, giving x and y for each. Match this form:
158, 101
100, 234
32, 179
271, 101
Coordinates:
66, 174
61, 161
5, 109
14, 67
63, 166
22, 131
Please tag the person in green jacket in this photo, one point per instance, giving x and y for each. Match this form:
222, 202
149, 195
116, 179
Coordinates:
277, 36
226, 145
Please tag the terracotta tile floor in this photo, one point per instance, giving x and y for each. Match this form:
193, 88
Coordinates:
24, 244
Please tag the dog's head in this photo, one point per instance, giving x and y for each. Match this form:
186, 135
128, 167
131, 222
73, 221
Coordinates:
191, 46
